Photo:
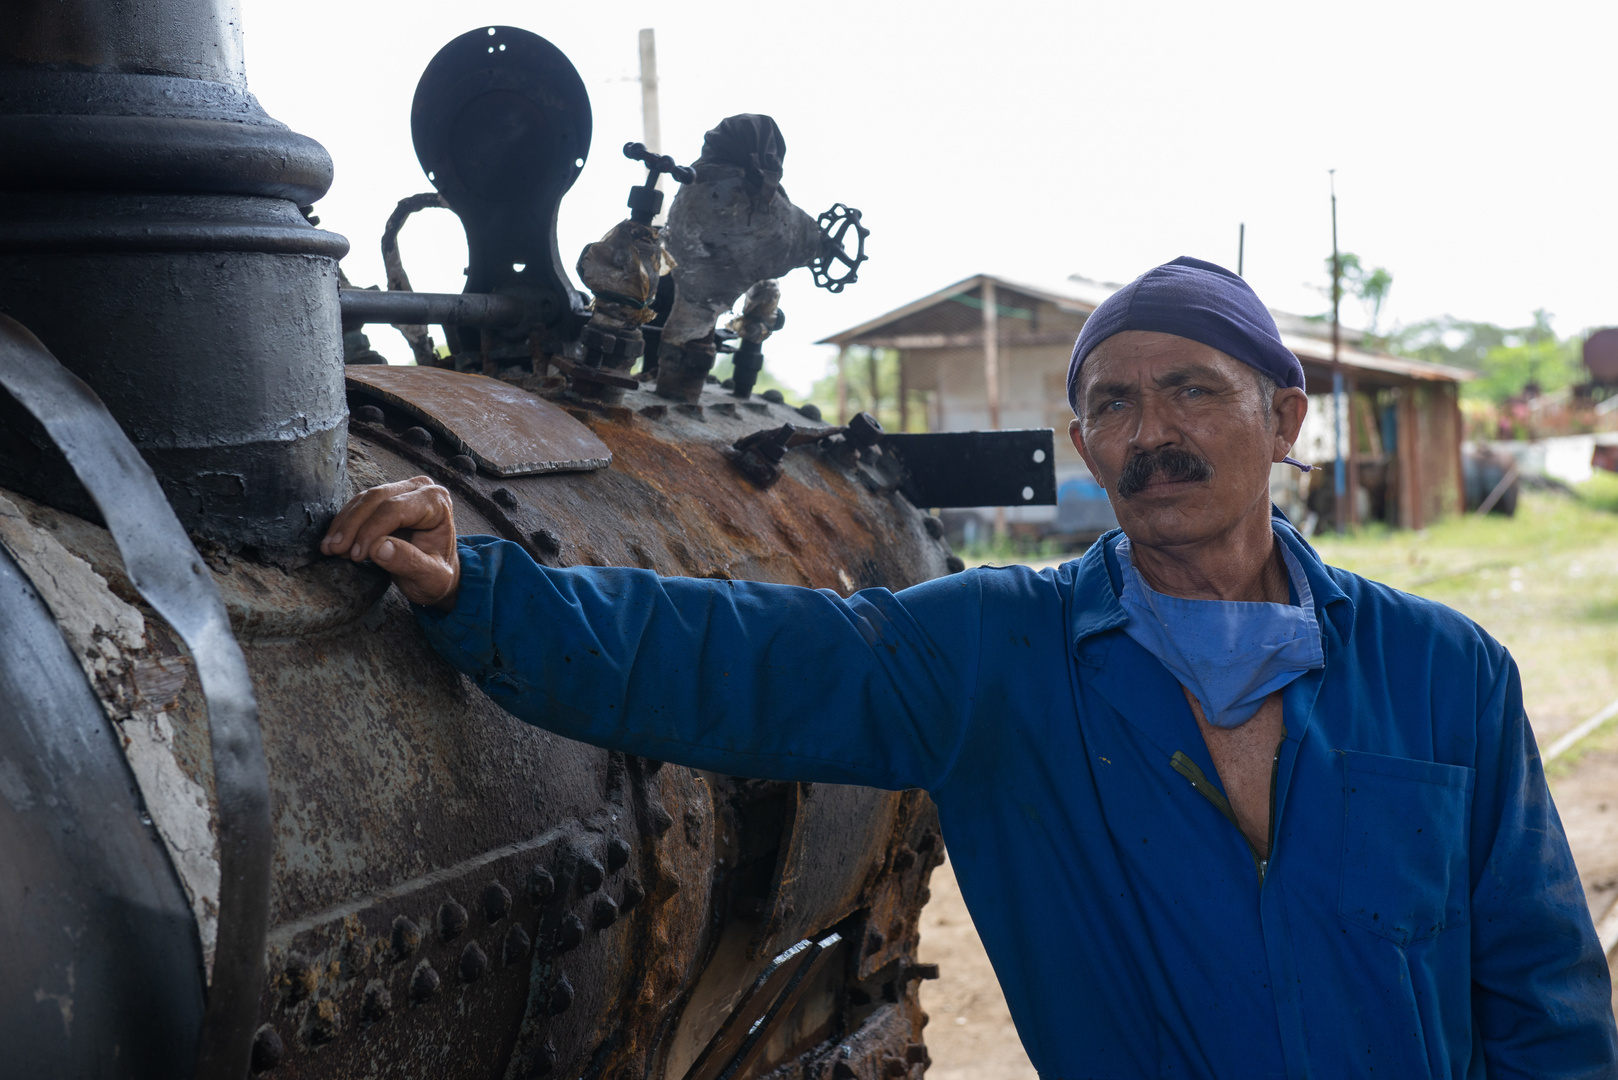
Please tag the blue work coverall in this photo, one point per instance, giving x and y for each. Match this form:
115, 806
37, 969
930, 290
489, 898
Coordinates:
1419, 914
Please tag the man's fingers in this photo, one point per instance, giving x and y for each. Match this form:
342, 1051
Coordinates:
408, 529
357, 509
423, 578
345, 526
417, 510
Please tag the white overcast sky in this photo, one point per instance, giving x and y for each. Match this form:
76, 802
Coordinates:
1473, 142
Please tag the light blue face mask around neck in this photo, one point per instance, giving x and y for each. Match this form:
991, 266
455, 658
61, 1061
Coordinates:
1229, 654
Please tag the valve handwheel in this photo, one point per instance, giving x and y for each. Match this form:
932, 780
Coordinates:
834, 226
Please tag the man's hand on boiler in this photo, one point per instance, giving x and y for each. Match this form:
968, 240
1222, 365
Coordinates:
408, 529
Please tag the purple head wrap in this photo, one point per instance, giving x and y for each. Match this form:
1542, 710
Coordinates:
1191, 299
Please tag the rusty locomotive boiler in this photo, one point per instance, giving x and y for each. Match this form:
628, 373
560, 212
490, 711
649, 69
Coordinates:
249, 823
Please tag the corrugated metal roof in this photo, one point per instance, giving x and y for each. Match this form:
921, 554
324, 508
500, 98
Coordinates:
1082, 296
851, 336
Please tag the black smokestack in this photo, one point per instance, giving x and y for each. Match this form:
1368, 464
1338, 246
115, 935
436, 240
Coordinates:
150, 236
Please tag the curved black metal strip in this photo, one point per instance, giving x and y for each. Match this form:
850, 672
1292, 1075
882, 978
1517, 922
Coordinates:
169, 574
97, 940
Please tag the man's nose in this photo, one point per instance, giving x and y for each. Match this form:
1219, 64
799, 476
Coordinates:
1157, 427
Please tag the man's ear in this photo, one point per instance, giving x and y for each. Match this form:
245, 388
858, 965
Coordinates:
1289, 406
1075, 432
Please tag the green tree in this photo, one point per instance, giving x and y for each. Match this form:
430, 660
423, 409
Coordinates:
884, 405
1369, 285
1506, 358
1508, 369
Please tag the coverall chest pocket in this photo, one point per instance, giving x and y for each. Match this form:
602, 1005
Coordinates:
1405, 835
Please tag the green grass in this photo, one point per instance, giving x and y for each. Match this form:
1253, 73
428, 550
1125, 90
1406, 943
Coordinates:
1545, 583
1009, 550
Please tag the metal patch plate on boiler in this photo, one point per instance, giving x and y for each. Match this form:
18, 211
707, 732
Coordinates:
507, 431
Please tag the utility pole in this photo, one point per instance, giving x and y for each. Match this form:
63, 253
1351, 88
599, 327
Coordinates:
651, 121
1340, 467
1241, 248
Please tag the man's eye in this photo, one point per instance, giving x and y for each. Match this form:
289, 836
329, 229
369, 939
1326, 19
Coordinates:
1114, 406
1194, 391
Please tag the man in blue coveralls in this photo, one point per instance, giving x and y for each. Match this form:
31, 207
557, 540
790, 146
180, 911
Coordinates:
1218, 810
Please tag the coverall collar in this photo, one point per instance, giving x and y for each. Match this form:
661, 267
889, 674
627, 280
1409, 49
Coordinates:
1098, 579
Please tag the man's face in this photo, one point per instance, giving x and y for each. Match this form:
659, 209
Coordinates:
1178, 434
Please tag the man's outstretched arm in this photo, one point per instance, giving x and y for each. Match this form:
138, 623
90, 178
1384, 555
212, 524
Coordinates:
760, 680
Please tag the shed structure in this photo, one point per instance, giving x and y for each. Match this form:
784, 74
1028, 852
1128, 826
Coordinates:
987, 352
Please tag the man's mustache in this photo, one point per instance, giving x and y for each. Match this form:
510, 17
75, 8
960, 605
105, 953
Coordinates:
1171, 463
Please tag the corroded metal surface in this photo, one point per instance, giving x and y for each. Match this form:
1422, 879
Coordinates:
502, 429
457, 894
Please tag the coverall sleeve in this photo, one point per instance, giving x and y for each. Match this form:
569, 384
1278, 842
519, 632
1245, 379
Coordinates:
1541, 995
768, 681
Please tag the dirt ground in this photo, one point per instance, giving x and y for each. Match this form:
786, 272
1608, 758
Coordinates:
969, 1035
1545, 584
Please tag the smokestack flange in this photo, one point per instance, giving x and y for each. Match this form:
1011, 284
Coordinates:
151, 237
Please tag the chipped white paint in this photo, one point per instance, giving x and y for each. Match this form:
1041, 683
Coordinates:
108, 636
184, 822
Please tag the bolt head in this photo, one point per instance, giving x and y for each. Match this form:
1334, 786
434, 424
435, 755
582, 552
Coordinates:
268, 1049
301, 977
418, 436
591, 875
424, 982
515, 946
474, 962
570, 934
496, 901
406, 937
617, 853
378, 1001
604, 912
561, 999
451, 920
541, 886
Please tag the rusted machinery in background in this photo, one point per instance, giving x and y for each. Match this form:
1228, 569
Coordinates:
249, 822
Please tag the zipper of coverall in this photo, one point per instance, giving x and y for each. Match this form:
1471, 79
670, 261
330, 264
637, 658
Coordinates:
1188, 769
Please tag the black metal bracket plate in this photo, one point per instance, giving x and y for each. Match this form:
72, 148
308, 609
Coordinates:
976, 468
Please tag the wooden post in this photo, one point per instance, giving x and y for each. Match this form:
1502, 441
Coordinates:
991, 377
842, 385
1454, 392
991, 353
1353, 451
876, 386
1405, 433
904, 392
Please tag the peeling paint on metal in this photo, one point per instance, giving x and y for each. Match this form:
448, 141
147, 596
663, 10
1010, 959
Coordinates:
109, 637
